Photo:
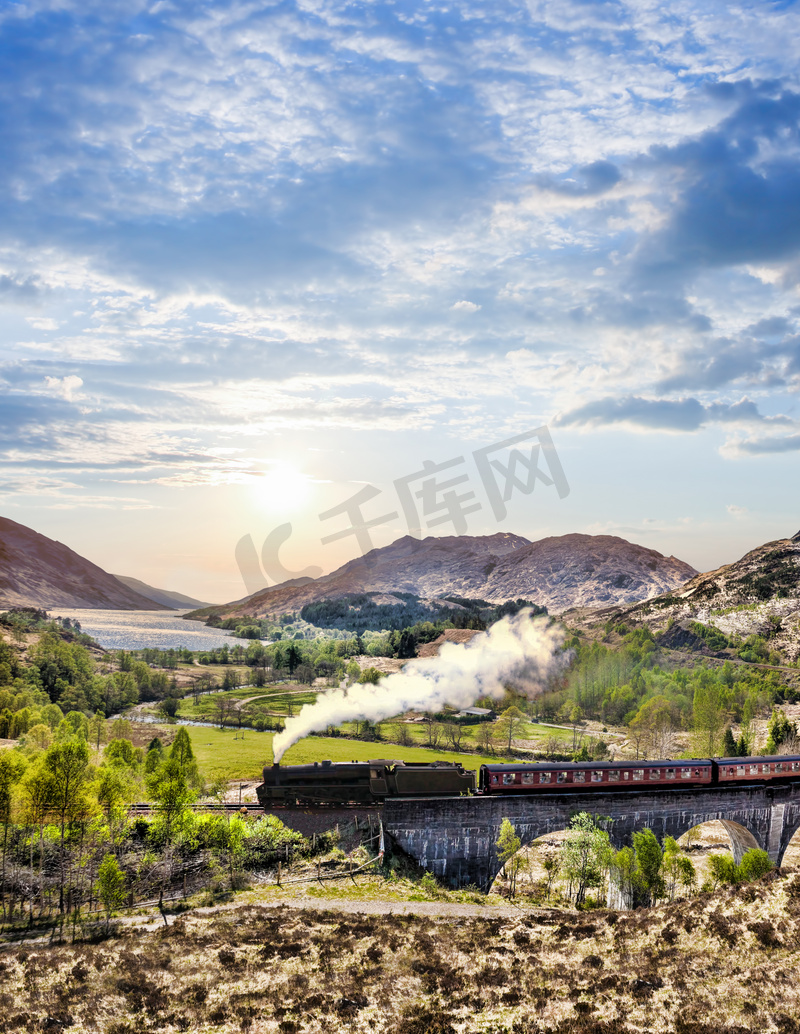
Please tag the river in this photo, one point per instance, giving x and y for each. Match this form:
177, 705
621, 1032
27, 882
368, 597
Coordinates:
137, 629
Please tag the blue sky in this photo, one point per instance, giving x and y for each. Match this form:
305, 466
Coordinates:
254, 257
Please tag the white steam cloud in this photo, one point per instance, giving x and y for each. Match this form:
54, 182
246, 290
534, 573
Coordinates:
518, 651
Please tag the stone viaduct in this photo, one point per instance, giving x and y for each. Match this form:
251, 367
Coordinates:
455, 838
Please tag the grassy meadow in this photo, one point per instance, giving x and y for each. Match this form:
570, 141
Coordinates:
278, 701
230, 755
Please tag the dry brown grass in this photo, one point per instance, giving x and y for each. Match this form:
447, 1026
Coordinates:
725, 962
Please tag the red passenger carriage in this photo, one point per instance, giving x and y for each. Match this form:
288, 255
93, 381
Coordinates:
563, 776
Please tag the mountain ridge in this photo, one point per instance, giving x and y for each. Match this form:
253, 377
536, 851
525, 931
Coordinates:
557, 572
173, 600
37, 571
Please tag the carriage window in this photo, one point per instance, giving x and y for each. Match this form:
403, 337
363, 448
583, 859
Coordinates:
597, 777
527, 778
655, 773
626, 775
779, 767
670, 773
508, 778
795, 766
562, 777
494, 778
579, 777
767, 768
613, 777
544, 777
638, 773
753, 770
740, 770
686, 773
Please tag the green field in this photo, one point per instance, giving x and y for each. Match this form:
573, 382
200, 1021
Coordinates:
526, 731
221, 756
273, 700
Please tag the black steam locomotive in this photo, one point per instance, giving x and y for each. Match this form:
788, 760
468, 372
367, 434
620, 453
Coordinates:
371, 782
362, 782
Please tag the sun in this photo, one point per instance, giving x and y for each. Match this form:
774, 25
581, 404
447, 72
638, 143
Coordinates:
282, 487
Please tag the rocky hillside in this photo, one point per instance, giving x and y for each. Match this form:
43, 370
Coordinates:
559, 572
584, 570
36, 571
758, 594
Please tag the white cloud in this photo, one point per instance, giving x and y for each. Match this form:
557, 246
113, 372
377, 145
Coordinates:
65, 387
42, 323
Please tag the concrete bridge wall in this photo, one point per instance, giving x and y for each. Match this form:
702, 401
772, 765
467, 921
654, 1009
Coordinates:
455, 838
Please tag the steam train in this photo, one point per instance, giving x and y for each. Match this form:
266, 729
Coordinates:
362, 782
371, 782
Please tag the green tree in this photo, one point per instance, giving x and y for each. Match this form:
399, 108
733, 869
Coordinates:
12, 769
708, 715
755, 864
122, 752
154, 756
780, 730
687, 876
746, 735
181, 751
508, 845
623, 873
68, 765
657, 719
110, 885
649, 857
574, 715
509, 723
723, 870
551, 864
114, 791
294, 656
171, 794
585, 855
169, 706
38, 794
671, 868
97, 728
729, 746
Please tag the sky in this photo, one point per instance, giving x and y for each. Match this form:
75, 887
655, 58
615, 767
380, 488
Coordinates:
260, 260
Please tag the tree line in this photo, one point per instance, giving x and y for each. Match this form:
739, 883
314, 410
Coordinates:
642, 874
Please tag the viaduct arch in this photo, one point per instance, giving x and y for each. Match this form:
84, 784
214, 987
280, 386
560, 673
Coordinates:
455, 838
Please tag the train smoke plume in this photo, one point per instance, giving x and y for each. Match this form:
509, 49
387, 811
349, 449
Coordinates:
518, 651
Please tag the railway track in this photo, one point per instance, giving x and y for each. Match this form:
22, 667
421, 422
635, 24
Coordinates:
145, 809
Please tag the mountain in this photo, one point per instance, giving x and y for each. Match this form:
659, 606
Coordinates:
584, 571
758, 594
559, 572
174, 600
36, 571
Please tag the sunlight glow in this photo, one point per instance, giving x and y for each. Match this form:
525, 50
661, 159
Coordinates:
283, 487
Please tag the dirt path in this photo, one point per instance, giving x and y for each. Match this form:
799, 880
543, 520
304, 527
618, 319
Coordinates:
438, 909
351, 906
